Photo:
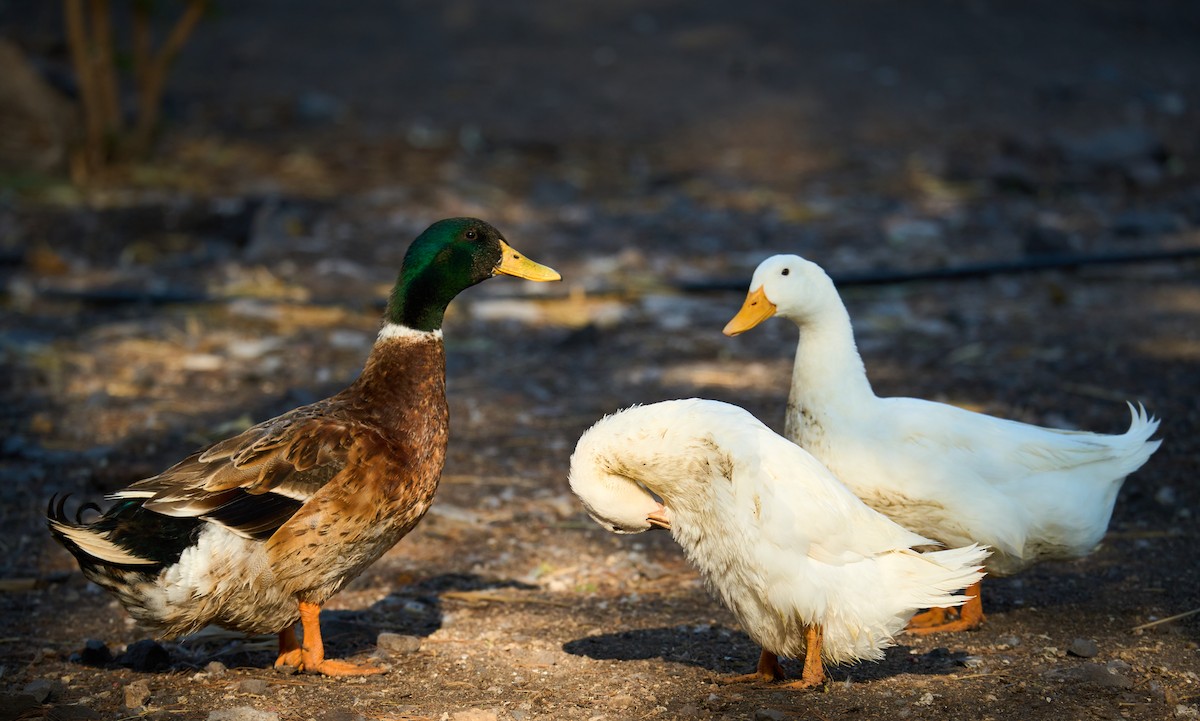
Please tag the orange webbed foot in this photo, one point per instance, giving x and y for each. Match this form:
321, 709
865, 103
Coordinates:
802, 684
768, 670
332, 667
312, 651
940, 620
289, 649
931, 618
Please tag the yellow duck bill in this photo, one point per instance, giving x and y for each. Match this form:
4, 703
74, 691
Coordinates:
515, 264
755, 310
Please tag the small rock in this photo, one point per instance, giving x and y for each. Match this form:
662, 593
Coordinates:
424, 135
319, 108
1146, 173
539, 657
43, 690
201, 362
137, 694
1098, 675
94, 653
621, 701
72, 712
904, 230
340, 714
1114, 147
474, 714
256, 686
1159, 692
1143, 223
398, 644
1118, 666
1166, 496
252, 348
145, 656
770, 714
1083, 648
242, 713
215, 668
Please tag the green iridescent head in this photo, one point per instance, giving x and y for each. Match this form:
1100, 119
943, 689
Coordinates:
449, 257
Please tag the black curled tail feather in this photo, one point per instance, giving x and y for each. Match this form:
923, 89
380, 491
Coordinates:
126, 536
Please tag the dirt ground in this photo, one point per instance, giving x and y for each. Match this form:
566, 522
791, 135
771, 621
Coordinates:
653, 151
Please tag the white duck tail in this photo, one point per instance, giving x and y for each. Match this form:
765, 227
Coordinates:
930, 579
1134, 446
866, 622
1086, 473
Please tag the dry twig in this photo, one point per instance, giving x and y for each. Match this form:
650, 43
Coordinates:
1168, 619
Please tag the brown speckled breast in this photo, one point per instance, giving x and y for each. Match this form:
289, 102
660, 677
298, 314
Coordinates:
398, 446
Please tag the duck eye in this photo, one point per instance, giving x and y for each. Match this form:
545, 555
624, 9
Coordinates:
471, 234
786, 271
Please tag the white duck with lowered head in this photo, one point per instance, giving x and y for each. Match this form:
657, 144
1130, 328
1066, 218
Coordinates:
1029, 493
805, 566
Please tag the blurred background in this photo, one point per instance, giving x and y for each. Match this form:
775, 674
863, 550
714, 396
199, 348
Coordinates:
203, 205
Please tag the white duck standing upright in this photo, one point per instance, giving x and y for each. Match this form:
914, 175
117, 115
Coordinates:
1029, 493
806, 567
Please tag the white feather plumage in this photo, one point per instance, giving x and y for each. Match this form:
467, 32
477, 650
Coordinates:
1030, 493
775, 535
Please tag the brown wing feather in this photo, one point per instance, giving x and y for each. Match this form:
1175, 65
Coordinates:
254, 482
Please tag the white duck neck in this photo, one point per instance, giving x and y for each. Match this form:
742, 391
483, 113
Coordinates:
828, 371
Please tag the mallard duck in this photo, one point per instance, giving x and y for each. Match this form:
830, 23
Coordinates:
1029, 493
805, 566
255, 533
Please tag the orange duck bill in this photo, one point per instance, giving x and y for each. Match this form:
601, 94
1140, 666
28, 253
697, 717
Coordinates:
755, 310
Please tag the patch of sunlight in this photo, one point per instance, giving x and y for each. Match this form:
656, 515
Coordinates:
574, 311
1174, 349
735, 376
1178, 300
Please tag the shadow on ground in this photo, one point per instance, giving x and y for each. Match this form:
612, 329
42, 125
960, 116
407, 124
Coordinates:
727, 652
413, 609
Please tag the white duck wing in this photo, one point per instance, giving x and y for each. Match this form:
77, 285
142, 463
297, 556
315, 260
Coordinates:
1002, 450
1022, 489
801, 507
824, 555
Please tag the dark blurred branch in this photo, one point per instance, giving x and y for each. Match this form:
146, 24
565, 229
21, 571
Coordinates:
104, 64
968, 271
93, 55
127, 296
151, 75
89, 88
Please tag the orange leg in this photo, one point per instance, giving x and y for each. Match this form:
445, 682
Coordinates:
312, 651
970, 615
814, 670
930, 618
768, 670
289, 648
